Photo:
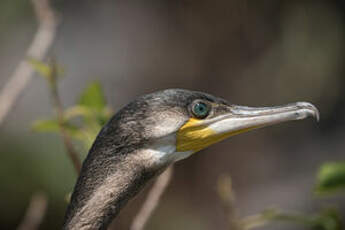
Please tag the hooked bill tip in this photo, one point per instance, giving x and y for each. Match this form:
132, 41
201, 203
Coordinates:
312, 110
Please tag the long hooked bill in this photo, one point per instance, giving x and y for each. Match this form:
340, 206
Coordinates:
198, 134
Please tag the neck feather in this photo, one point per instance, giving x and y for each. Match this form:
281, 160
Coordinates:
104, 187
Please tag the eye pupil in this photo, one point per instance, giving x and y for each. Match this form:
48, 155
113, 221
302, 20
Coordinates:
200, 110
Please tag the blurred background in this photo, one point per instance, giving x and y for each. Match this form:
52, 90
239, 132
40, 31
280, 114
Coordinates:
255, 53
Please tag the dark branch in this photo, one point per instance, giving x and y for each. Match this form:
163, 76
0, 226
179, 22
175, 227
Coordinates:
73, 155
35, 212
152, 200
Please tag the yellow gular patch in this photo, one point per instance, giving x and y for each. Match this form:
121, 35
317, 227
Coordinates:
194, 136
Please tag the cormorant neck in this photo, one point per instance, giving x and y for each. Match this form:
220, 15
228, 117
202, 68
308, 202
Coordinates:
105, 185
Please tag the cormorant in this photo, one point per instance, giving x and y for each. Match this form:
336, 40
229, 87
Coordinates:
152, 132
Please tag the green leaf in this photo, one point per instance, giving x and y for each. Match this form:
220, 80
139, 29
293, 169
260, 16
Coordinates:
77, 111
331, 177
46, 126
89, 116
329, 219
93, 97
87, 137
45, 70
40, 67
52, 126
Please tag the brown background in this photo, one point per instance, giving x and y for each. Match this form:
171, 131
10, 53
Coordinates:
250, 52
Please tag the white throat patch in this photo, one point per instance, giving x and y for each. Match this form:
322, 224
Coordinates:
164, 150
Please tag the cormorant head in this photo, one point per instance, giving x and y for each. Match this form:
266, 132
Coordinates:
150, 133
176, 123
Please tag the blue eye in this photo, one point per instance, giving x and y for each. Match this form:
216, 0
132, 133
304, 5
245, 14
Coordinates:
200, 110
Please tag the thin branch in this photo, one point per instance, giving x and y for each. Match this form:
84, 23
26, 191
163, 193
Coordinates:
35, 212
254, 221
41, 43
227, 196
72, 153
152, 200
270, 215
